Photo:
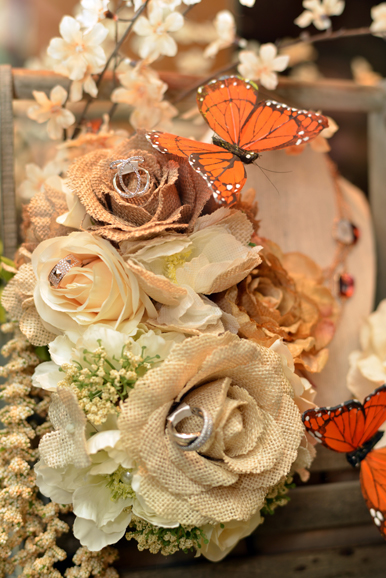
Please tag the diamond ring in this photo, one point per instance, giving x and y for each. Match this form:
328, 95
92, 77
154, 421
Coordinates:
126, 166
191, 441
63, 266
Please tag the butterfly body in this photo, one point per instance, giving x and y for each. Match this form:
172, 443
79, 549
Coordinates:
353, 428
244, 127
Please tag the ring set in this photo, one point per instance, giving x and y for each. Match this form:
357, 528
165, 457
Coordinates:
125, 167
189, 442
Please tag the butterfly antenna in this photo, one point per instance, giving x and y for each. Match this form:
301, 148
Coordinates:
264, 170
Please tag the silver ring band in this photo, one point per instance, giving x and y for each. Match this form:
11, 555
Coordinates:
192, 441
126, 166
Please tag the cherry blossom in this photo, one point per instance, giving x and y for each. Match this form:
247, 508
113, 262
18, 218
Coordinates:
93, 11
248, 3
140, 85
378, 14
263, 66
318, 12
37, 178
225, 26
51, 110
158, 115
78, 51
155, 31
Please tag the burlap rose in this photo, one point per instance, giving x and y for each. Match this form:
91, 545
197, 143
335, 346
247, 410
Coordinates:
285, 297
256, 435
175, 199
17, 299
102, 291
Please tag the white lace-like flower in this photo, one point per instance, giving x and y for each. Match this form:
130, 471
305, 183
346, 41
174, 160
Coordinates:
318, 11
263, 66
37, 178
155, 31
93, 11
78, 52
51, 110
378, 14
225, 26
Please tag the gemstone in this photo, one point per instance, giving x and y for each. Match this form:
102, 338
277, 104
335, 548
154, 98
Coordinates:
345, 232
346, 285
126, 477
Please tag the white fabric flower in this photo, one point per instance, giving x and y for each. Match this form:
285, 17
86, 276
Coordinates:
103, 291
86, 84
64, 350
263, 66
136, 4
51, 110
225, 26
378, 14
141, 86
157, 115
155, 30
93, 11
318, 12
37, 178
78, 52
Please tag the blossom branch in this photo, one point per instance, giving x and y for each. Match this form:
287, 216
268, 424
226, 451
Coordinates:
197, 85
328, 35
109, 60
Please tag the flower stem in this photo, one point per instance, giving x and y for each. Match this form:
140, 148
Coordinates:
109, 60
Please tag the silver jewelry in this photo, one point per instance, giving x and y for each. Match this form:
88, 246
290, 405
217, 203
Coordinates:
192, 441
126, 166
61, 268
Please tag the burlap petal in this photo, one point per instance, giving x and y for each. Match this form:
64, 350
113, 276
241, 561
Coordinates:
17, 300
256, 436
173, 203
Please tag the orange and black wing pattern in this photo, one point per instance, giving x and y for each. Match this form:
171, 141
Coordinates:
346, 427
232, 109
373, 485
223, 171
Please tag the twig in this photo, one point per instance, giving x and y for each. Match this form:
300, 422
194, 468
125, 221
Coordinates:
329, 35
109, 60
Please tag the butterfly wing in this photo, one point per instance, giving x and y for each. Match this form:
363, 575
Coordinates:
231, 108
375, 413
223, 171
338, 428
227, 104
373, 485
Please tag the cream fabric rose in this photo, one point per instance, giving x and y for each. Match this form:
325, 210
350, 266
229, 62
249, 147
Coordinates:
104, 291
179, 271
257, 430
368, 367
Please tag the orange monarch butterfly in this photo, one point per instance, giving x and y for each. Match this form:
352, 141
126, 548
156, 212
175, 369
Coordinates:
244, 127
352, 428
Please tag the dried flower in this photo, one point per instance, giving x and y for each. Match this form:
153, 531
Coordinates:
155, 31
318, 12
263, 66
225, 27
285, 297
51, 110
78, 52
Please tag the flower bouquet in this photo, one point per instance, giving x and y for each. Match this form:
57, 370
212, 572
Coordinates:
161, 350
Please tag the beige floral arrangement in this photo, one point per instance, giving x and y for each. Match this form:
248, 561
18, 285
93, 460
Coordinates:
159, 347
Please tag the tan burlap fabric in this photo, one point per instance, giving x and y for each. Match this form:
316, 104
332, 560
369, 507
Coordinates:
39, 219
67, 444
257, 430
175, 199
285, 297
17, 299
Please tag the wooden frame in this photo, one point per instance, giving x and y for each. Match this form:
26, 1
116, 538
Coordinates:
326, 530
